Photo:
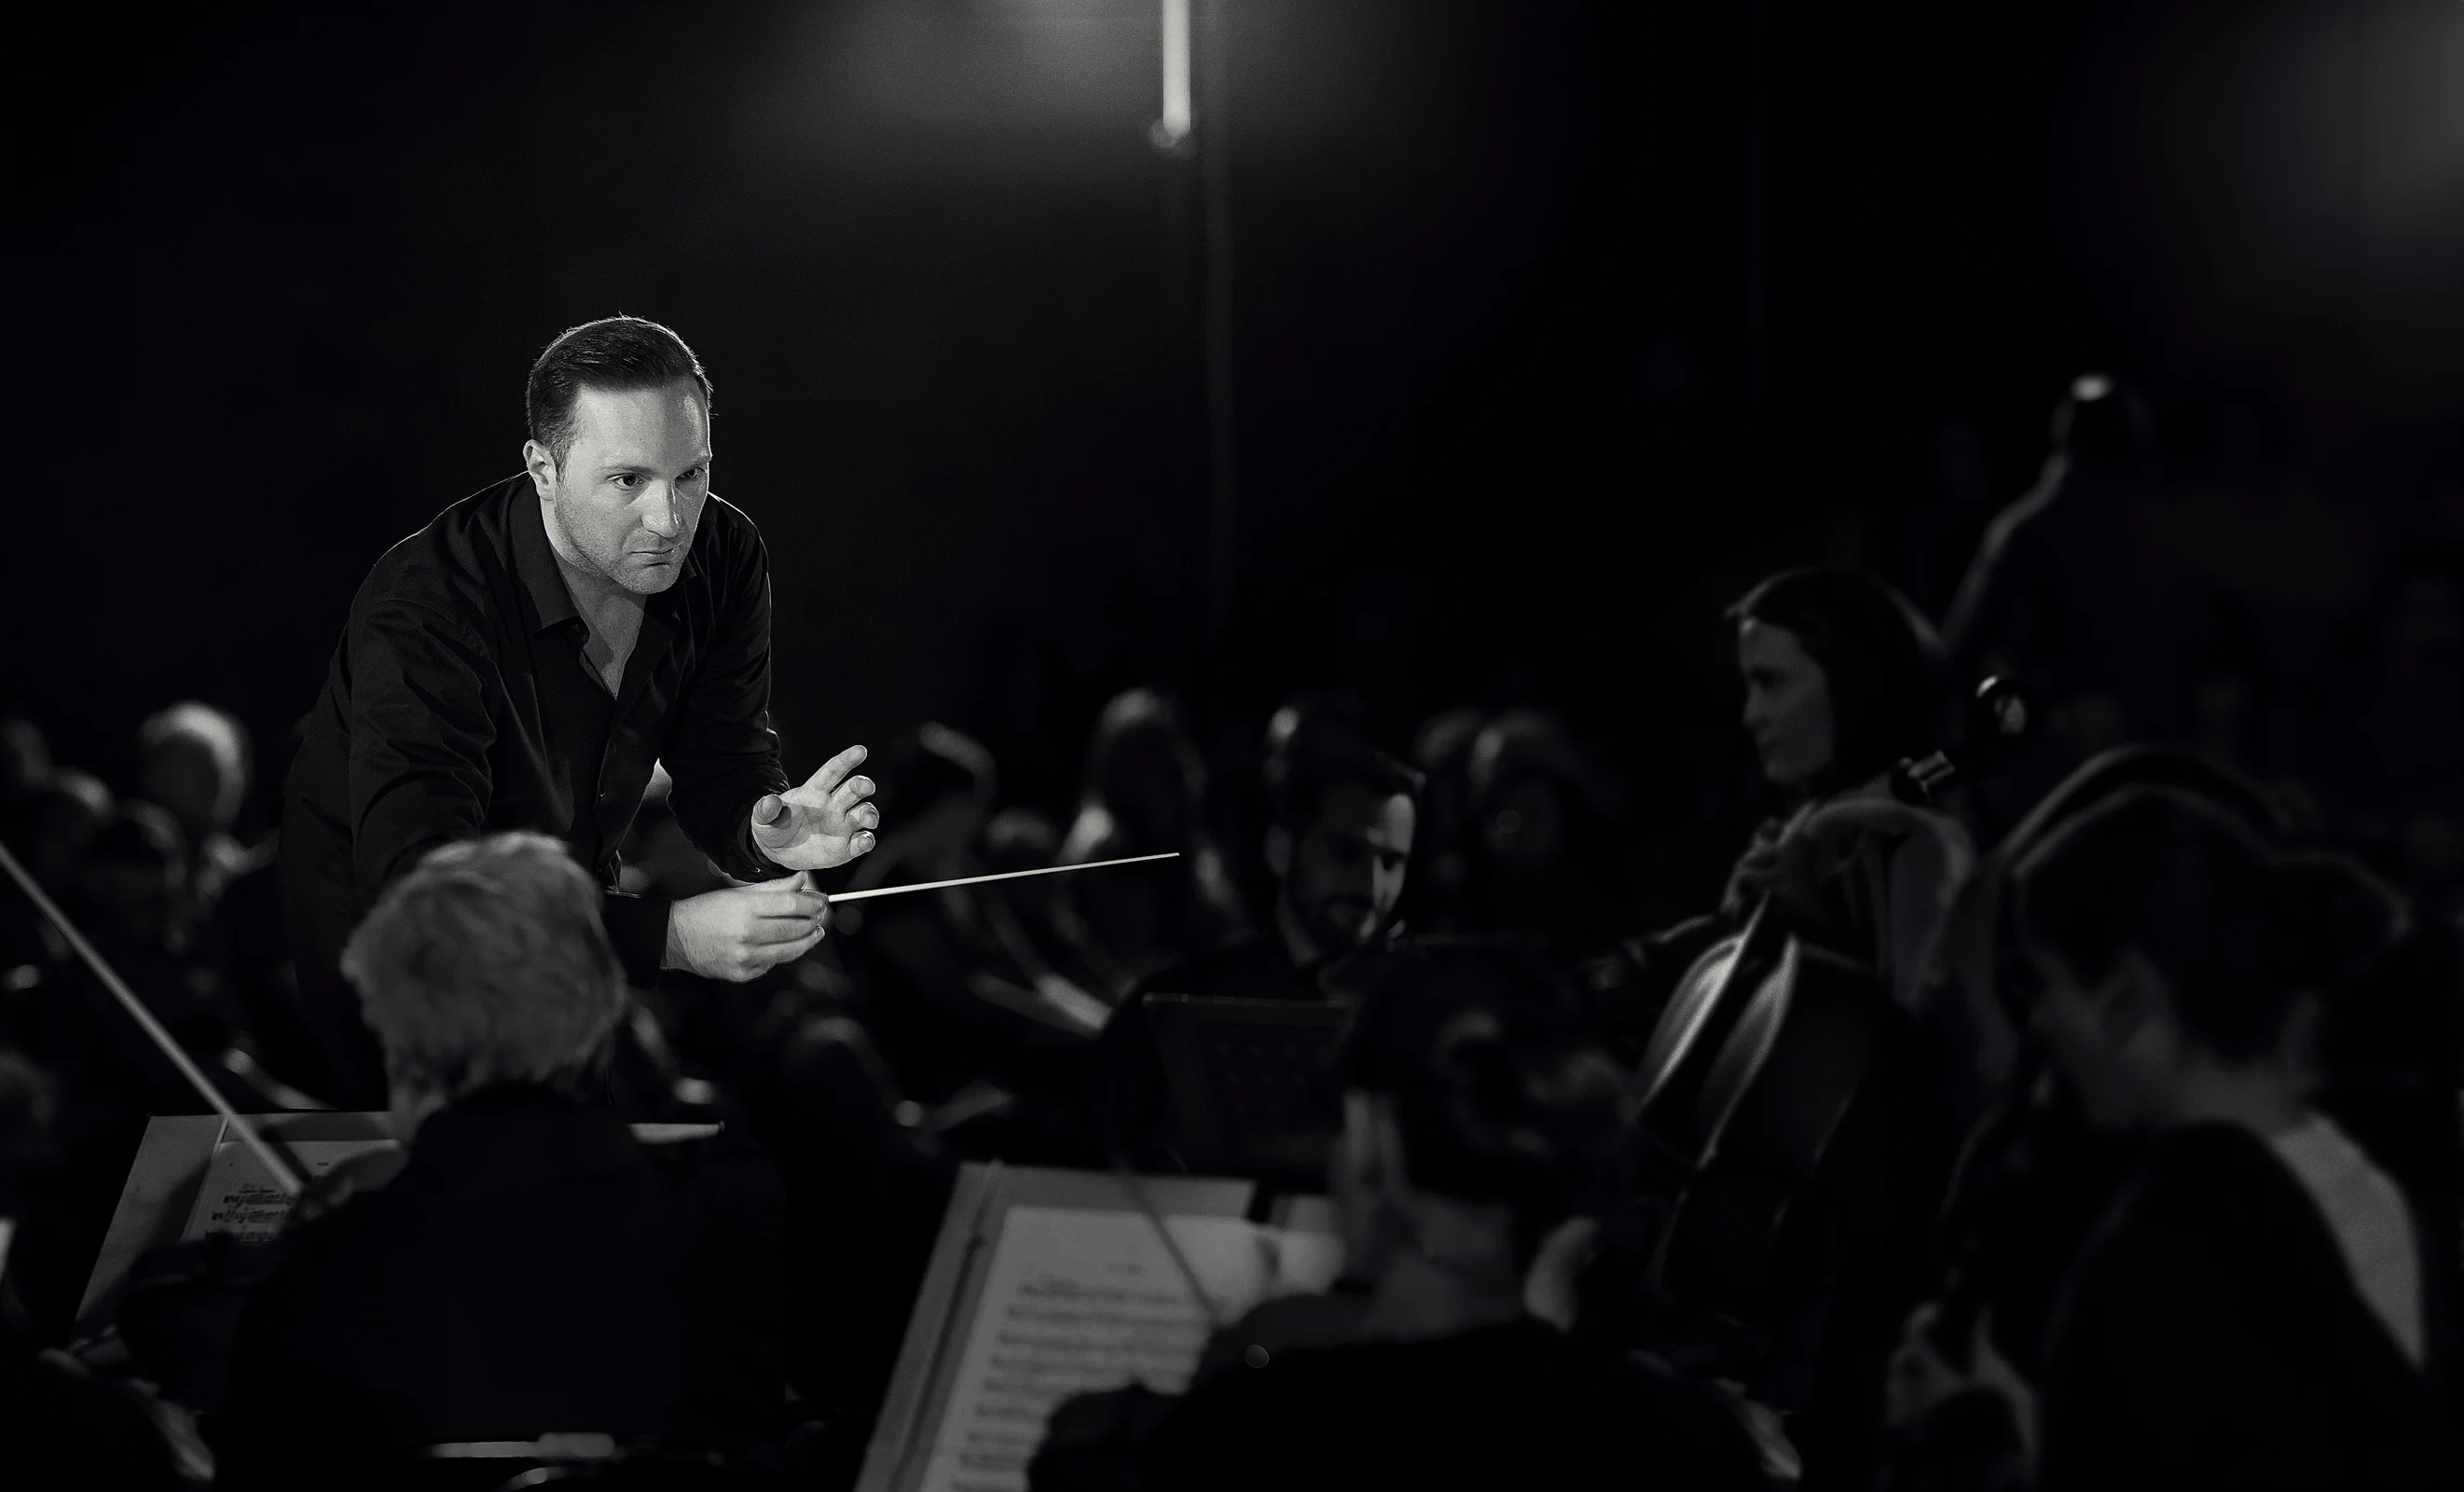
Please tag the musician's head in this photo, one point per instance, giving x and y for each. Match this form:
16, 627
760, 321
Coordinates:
52, 823
2173, 955
1478, 1117
487, 963
619, 450
1144, 771
25, 756
135, 874
1842, 676
196, 763
1339, 840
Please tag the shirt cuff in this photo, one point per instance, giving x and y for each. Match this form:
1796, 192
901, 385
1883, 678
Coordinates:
638, 927
757, 865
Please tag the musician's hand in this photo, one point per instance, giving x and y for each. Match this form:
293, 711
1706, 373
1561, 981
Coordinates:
1922, 1379
1552, 1289
743, 932
824, 823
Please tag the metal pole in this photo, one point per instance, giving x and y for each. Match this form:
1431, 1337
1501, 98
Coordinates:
1215, 174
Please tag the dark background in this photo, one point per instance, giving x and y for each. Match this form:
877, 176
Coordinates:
1553, 324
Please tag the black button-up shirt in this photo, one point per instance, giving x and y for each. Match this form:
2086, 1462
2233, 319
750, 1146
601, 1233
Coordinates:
459, 703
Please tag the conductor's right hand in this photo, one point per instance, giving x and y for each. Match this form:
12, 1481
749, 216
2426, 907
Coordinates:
743, 932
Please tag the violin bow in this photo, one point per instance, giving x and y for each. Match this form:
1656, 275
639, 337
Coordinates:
283, 1175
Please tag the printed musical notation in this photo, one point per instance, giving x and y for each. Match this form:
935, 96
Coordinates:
240, 1197
1076, 1302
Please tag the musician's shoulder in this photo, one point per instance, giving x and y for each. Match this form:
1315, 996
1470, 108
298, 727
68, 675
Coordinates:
728, 525
438, 565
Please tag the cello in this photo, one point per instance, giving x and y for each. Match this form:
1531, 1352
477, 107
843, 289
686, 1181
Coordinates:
1739, 1112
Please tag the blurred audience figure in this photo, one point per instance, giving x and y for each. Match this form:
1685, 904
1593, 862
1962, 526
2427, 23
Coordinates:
2259, 1308
52, 822
1144, 792
25, 756
1441, 897
1340, 842
194, 762
1024, 916
942, 991
2077, 589
2389, 732
1477, 1123
1549, 868
63, 1428
533, 1269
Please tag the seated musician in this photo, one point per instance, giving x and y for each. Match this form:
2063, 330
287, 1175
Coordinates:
533, 1270
1841, 680
2259, 1308
1340, 838
1841, 683
1476, 1120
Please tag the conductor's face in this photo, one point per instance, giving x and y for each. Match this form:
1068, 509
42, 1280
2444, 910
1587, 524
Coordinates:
625, 502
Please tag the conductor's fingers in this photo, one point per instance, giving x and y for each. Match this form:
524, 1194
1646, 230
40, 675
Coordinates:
770, 932
852, 791
789, 906
834, 771
795, 948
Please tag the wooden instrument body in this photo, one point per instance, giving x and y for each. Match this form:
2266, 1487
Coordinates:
1748, 1084
1768, 1047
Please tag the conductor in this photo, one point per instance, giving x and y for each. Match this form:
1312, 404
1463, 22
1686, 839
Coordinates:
523, 662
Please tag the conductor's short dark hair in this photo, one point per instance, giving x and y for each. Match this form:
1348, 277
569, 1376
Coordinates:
621, 354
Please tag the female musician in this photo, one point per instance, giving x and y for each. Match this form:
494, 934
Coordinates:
1842, 681
2257, 1308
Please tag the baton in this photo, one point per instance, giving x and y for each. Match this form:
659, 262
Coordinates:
1006, 875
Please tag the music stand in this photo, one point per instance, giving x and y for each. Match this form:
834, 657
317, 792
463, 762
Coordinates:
1250, 1091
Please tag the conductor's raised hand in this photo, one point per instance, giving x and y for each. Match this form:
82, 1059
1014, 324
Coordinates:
743, 932
824, 823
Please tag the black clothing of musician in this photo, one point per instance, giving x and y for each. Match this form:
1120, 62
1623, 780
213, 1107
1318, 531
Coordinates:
2214, 1335
459, 702
533, 1270
1514, 1405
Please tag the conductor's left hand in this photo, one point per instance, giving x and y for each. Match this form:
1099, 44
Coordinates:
824, 823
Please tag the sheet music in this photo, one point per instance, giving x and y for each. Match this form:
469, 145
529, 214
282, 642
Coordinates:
1078, 1300
239, 1197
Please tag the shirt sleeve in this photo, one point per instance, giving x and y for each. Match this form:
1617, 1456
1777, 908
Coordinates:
420, 736
721, 751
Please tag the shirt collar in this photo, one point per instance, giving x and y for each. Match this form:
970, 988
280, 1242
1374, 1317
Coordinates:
534, 561
542, 574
